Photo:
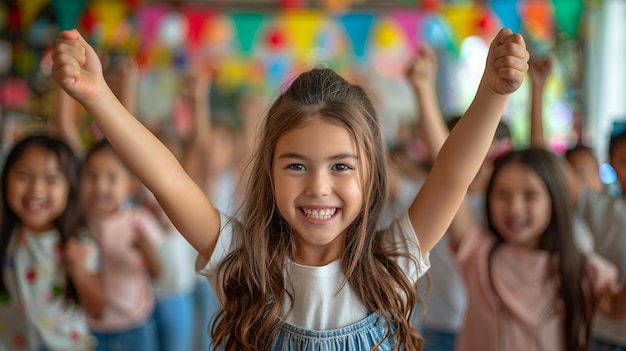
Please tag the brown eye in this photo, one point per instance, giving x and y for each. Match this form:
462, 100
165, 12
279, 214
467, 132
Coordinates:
341, 167
296, 167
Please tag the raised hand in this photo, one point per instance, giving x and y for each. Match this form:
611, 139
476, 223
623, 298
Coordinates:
422, 70
77, 68
507, 62
539, 70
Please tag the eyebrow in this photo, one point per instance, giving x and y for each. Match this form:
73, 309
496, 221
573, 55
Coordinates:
24, 167
306, 158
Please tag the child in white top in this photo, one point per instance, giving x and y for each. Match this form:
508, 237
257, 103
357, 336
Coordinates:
50, 273
317, 189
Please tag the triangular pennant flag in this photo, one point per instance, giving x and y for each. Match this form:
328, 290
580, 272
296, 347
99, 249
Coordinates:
148, 20
409, 21
567, 14
67, 12
357, 26
463, 19
109, 14
247, 26
506, 10
303, 27
29, 10
196, 17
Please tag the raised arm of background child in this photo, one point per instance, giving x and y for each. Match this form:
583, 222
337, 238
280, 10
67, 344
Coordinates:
538, 70
64, 121
422, 76
126, 74
464, 150
78, 70
195, 92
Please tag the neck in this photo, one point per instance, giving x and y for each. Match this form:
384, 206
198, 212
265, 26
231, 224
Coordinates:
315, 259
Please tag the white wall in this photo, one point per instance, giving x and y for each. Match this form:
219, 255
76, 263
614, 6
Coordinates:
606, 73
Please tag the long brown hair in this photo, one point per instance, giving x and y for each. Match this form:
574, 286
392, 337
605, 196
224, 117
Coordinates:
574, 285
252, 277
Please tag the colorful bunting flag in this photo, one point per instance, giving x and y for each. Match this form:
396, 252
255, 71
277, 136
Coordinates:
357, 26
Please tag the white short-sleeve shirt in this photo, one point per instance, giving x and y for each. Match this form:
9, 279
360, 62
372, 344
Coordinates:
318, 303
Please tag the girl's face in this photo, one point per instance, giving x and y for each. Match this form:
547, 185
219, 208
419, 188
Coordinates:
37, 189
618, 162
520, 205
106, 183
317, 188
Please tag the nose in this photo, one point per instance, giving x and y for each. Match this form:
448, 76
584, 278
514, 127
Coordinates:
318, 184
37, 185
100, 185
517, 205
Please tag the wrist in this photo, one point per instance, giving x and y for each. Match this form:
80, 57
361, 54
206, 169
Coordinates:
485, 89
103, 99
424, 90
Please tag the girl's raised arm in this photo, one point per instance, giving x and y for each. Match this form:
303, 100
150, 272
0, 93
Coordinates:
77, 69
464, 150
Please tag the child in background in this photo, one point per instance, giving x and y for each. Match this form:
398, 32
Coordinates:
128, 237
178, 308
583, 162
50, 273
307, 265
173, 288
599, 221
511, 295
531, 233
446, 301
585, 165
608, 333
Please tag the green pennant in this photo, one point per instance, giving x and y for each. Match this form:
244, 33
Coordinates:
567, 16
67, 12
247, 26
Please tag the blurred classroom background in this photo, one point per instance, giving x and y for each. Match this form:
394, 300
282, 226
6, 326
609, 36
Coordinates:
256, 46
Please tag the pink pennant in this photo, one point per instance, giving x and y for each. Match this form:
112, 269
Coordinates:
148, 20
409, 21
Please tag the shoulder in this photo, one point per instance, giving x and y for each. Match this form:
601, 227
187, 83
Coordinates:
400, 237
230, 230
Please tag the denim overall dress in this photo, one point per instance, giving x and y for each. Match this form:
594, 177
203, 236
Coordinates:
362, 335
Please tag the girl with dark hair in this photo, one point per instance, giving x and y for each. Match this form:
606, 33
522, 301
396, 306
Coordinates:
305, 265
529, 288
50, 273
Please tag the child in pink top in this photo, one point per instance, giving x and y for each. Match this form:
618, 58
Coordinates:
128, 237
528, 286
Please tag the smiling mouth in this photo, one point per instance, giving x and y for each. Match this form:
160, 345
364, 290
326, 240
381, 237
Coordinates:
319, 214
35, 205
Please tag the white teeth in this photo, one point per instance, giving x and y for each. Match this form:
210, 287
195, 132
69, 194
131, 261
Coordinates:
35, 205
319, 214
